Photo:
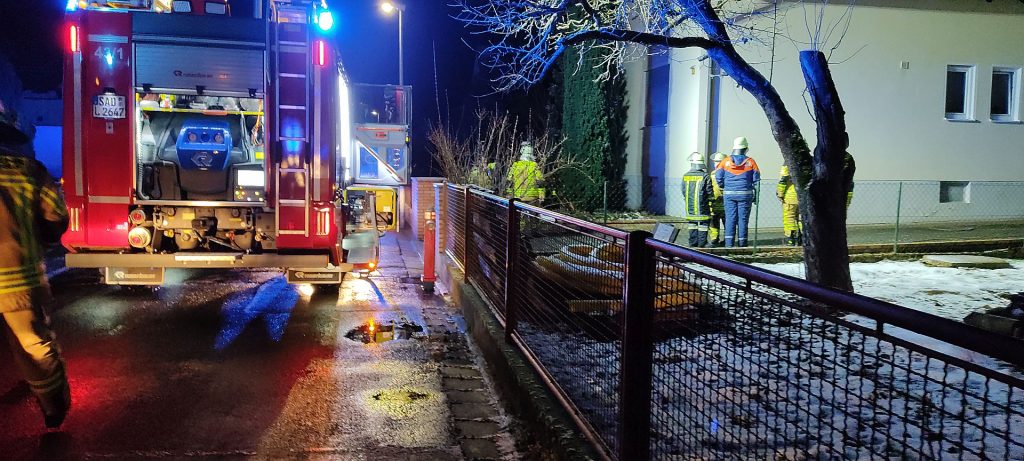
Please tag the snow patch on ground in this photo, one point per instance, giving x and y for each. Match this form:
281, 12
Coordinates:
947, 292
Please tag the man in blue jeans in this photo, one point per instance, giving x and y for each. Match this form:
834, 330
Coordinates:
739, 177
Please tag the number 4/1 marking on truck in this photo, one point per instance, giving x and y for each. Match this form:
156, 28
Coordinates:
108, 54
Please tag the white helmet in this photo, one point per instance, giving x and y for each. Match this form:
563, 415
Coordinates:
740, 143
717, 157
697, 158
526, 152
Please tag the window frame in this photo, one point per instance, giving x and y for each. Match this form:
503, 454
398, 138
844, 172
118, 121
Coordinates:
945, 187
1013, 103
970, 82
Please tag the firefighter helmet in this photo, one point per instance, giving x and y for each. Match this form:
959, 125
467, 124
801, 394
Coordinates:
697, 158
526, 152
717, 157
10, 132
740, 143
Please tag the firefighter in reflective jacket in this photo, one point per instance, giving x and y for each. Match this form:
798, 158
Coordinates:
717, 204
739, 177
32, 213
698, 193
524, 177
786, 192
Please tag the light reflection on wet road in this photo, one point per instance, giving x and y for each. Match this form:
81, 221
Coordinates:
235, 364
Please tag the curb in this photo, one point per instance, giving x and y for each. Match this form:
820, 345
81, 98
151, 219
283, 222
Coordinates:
547, 425
1013, 247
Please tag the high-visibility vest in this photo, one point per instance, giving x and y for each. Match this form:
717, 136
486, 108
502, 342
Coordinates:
698, 194
524, 178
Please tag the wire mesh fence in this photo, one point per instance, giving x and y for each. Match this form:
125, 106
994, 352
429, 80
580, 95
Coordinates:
881, 212
486, 237
455, 219
762, 373
660, 352
569, 281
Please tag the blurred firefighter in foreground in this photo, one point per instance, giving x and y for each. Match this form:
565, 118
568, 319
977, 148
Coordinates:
698, 193
739, 177
525, 178
717, 203
32, 214
786, 192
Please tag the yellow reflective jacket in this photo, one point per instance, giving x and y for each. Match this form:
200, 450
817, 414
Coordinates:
786, 189
32, 213
524, 181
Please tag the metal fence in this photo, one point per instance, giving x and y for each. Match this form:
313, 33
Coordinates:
882, 212
660, 352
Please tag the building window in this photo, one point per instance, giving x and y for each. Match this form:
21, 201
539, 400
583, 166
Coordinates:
1005, 94
954, 192
960, 92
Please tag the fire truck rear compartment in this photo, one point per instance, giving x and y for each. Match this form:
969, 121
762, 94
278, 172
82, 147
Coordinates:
198, 156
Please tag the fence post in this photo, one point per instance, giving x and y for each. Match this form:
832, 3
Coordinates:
606, 202
899, 204
637, 348
467, 229
757, 217
511, 272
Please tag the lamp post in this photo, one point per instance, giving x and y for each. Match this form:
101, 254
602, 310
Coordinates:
390, 7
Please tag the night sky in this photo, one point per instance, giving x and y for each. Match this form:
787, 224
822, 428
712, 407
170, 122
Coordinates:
31, 38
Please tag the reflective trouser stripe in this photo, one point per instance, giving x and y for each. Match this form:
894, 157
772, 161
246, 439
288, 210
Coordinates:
50, 384
35, 351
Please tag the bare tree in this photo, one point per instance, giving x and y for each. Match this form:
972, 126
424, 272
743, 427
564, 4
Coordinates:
484, 157
532, 34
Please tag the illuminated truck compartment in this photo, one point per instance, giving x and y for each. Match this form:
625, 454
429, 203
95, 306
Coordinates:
200, 148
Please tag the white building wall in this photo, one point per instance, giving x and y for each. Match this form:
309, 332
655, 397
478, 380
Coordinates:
636, 98
895, 116
685, 119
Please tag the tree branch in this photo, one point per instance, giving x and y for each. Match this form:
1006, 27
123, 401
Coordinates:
642, 38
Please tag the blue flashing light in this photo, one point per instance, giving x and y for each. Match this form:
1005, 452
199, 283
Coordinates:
71, 6
325, 20
110, 58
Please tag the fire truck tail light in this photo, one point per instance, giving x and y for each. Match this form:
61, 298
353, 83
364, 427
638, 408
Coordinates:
75, 215
320, 53
73, 39
323, 222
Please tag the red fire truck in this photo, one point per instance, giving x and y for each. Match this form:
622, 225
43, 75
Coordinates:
203, 134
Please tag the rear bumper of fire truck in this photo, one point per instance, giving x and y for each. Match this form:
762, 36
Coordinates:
148, 269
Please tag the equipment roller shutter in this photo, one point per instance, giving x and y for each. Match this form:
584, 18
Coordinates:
178, 67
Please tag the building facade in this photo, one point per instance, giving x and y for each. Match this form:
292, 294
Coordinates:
931, 90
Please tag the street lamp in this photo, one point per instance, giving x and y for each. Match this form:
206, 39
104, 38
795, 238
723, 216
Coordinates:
377, 114
389, 7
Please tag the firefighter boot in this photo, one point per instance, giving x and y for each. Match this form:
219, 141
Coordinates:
791, 239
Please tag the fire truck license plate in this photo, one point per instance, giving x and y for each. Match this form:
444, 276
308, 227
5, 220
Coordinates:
108, 106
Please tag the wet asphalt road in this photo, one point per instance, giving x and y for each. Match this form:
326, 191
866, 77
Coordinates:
238, 364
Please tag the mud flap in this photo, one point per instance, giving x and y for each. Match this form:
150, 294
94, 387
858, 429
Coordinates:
314, 276
133, 275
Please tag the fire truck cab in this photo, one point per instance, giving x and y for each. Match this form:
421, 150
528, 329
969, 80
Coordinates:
204, 138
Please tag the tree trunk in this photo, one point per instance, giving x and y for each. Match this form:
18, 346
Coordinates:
821, 190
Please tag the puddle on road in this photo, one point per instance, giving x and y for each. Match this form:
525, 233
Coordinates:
372, 332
